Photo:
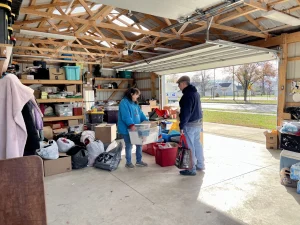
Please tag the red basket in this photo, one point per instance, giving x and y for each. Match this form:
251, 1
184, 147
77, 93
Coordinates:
149, 149
166, 156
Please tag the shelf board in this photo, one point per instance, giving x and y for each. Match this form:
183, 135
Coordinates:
111, 90
112, 79
51, 81
59, 118
59, 100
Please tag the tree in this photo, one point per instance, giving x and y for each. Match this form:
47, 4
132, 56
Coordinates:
267, 71
203, 78
247, 74
172, 78
269, 86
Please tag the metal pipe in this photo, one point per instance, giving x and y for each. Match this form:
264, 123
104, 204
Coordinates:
208, 27
225, 7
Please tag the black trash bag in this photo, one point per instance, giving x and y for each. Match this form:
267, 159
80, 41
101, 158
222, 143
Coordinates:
75, 137
109, 160
79, 156
294, 111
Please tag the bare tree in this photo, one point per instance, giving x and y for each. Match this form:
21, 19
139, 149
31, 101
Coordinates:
203, 78
267, 71
172, 78
247, 74
269, 86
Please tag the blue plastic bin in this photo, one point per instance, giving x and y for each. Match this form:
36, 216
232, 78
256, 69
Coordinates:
72, 72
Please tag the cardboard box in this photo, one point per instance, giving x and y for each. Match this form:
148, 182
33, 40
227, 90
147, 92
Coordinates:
61, 165
146, 109
153, 102
287, 116
57, 74
72, 88
27, 77
271, 139
56, 126
62, 130
73, 122
48, 132
106, 133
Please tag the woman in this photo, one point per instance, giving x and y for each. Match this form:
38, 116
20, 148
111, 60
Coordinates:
130, 114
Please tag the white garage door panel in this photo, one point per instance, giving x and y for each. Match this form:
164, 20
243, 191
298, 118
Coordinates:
212, 54
172, 9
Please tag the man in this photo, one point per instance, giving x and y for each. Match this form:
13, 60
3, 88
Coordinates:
191, 123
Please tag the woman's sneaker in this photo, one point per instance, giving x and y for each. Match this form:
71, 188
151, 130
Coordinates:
141, 164
129, 165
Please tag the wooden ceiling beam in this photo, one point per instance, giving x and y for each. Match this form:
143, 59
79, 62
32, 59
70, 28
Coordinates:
86, 7
251, 20
168, 22
59, 9
50, 11
233, 15
97, 23
257, 5
32, 2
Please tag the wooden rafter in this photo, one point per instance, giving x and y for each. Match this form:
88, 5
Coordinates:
32, 2
50, 11
86, 7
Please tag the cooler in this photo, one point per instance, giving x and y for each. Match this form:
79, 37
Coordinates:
165, 156
288, 158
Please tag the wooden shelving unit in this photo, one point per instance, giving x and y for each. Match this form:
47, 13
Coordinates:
111, 90
59, 100
113, 79
62, 82
59, 118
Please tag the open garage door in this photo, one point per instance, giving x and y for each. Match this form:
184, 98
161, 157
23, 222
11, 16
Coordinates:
210, 55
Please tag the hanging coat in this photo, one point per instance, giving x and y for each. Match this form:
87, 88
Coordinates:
13, 134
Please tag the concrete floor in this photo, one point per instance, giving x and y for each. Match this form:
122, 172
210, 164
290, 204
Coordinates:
239, 186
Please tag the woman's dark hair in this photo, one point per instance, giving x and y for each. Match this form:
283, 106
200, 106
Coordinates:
131, 91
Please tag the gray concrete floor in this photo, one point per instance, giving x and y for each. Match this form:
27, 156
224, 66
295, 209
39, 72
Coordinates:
239, 186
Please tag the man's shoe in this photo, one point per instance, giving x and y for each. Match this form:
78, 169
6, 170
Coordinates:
141, 164
129, 165
187, 173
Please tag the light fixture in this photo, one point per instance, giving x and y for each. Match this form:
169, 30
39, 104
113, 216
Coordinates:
282, 17
49, 35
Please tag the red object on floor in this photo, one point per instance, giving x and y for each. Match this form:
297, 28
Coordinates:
149, 149
166, 156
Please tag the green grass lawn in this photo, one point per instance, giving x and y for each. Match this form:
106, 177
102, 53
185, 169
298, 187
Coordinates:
240, 119
265, 102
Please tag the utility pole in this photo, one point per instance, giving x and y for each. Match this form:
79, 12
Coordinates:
233, 86
214, 84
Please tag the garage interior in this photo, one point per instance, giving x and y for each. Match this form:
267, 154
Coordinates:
241, 183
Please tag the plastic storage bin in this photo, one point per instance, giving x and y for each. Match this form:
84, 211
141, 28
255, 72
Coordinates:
64, 110
149, 149
135, 139
290, 142
165, 156
125, 74
111, 116
72, 72
288, 158
143, 129
96, 117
